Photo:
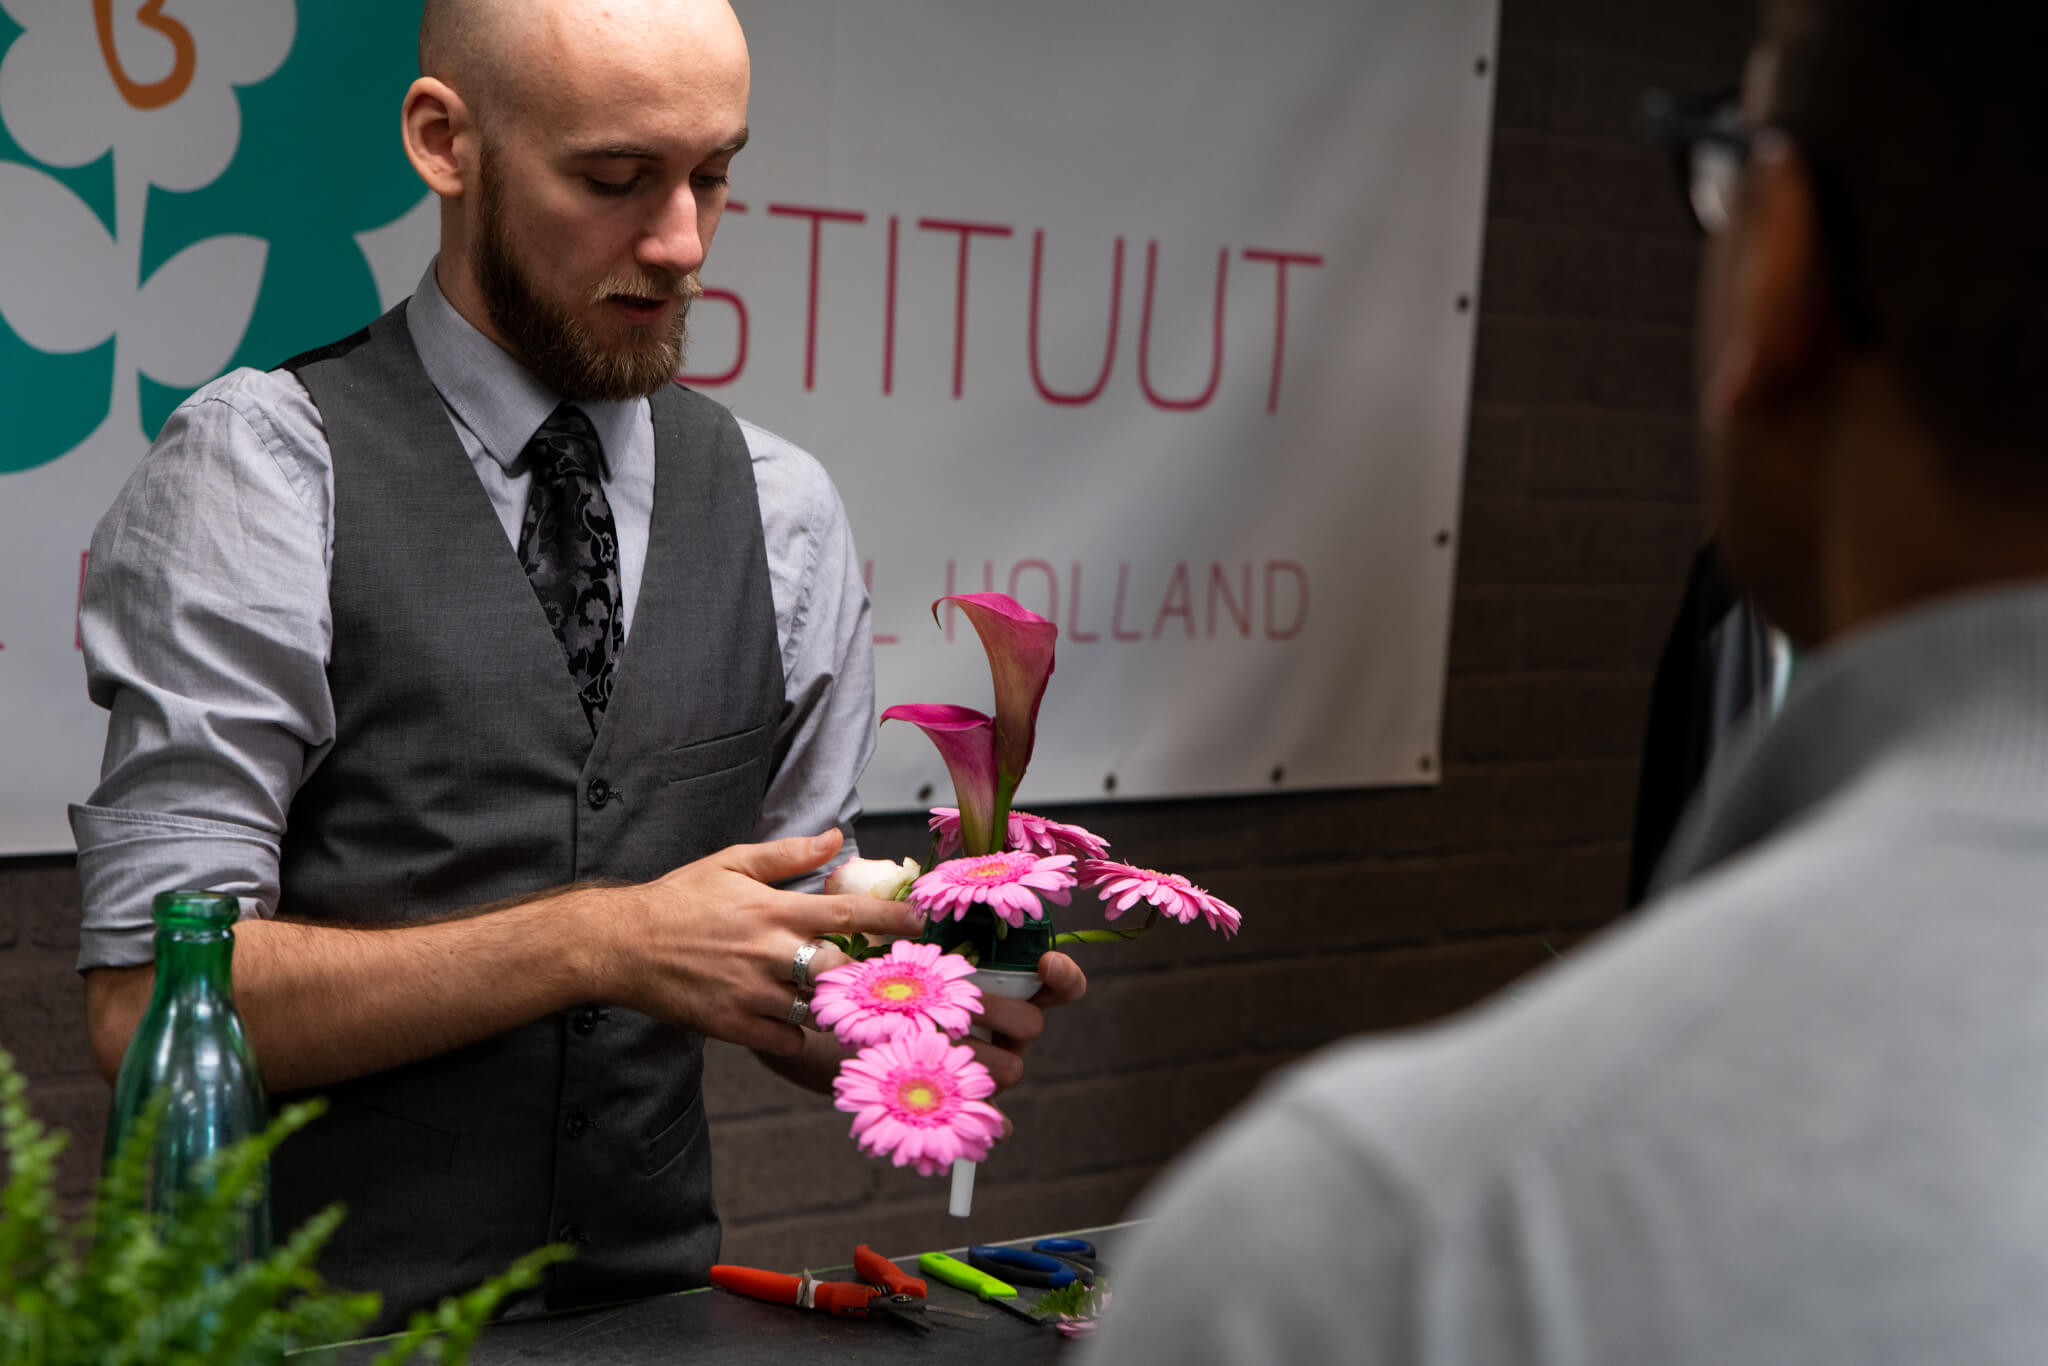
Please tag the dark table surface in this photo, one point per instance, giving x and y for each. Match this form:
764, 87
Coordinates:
712, 1325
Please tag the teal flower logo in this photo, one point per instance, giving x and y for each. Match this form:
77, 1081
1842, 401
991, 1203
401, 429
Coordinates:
190, 185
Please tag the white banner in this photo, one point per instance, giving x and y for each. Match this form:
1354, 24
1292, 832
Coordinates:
1158, 318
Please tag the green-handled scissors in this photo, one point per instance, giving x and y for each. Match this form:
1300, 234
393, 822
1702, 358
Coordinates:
980, 1284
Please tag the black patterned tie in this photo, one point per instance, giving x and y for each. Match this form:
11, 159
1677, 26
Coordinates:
569, 546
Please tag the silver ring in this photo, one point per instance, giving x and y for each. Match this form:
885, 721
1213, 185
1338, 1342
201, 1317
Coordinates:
799, 1011
800, 966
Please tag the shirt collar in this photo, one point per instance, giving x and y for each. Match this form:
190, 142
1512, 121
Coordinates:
493, 395
1944, 704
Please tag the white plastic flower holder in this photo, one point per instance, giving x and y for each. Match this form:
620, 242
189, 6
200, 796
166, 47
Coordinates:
1017, 986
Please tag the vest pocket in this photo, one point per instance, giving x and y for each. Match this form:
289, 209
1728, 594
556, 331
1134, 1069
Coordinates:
708, 758
668, 1143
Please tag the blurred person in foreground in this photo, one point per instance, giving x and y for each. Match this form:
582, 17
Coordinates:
1798, 1111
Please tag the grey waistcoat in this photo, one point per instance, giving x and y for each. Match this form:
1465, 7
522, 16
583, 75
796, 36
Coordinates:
464, 772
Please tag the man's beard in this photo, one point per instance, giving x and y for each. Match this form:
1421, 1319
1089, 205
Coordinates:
558, 347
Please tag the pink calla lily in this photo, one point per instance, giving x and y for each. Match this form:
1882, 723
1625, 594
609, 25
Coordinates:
967, 742
1019, 645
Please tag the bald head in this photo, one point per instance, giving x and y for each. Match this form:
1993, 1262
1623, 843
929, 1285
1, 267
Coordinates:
497, 53
581, 150
452, 36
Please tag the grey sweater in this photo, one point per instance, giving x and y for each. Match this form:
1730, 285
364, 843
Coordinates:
1797, 1113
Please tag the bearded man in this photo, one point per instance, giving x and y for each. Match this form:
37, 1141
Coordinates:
502, 678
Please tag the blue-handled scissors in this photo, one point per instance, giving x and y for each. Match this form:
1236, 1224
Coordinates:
1078, 1253
1019, 1267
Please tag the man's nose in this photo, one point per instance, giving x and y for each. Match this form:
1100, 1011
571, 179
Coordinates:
672, 242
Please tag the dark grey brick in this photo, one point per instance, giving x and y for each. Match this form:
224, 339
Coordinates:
1113, 1121
1495, 449
1525, 891
1602, 455
1583, 183
1580, 542
1545, 717
39, 902
1204, 1093
78, 1106
1536, 270
1306, 908
1486, 631
783, 1165
1612, 455
42, 1015
1594, 25
1399, 990
1596, 628
1584, 364
737, 1085
47, 900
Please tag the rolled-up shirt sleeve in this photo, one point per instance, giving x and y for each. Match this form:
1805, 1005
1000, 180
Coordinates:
205, 628
827, 732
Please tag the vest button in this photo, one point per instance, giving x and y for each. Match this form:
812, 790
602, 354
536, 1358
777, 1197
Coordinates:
585, 1020
569, 1233
599, 793
577, 1124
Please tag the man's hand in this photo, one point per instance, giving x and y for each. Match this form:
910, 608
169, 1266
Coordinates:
1017, 1024
711, 946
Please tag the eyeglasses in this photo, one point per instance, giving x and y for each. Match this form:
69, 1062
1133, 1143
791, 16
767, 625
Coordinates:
1709, 140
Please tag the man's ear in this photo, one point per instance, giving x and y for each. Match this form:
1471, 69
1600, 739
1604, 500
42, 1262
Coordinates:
439, 136
1778, 342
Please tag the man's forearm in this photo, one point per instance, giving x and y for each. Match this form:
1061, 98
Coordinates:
705, 947
323, 1004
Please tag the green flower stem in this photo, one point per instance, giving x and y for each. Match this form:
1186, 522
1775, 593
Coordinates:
1108, 936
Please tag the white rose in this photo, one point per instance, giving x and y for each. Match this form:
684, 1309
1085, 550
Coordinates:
877, 877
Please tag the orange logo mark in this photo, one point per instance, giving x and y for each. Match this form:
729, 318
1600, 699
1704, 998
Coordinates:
156, 94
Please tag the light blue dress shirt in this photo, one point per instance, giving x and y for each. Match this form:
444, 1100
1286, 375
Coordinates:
207, 632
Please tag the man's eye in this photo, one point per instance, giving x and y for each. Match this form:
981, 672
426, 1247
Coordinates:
711, 182
610, 187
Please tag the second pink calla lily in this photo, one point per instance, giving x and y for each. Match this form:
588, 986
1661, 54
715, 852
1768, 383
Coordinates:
967, 742
1019, 645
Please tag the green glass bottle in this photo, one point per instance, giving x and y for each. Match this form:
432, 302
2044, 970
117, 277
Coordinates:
191, 1045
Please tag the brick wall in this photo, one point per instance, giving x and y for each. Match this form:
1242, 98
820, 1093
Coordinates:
1364, 910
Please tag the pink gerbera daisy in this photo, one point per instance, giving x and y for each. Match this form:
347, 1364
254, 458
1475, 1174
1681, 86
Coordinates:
1032, 834
911, 986
919, 1100
1123, 886
1009, 884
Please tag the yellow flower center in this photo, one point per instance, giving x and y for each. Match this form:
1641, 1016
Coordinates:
991, 870
897, 990
919, 1096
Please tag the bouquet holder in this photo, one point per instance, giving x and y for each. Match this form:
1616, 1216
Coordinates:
1008, 959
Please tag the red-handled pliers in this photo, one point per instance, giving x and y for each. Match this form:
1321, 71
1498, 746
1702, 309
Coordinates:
884, 1290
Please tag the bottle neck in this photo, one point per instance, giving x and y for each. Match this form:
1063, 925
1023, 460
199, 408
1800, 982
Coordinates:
190, 959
